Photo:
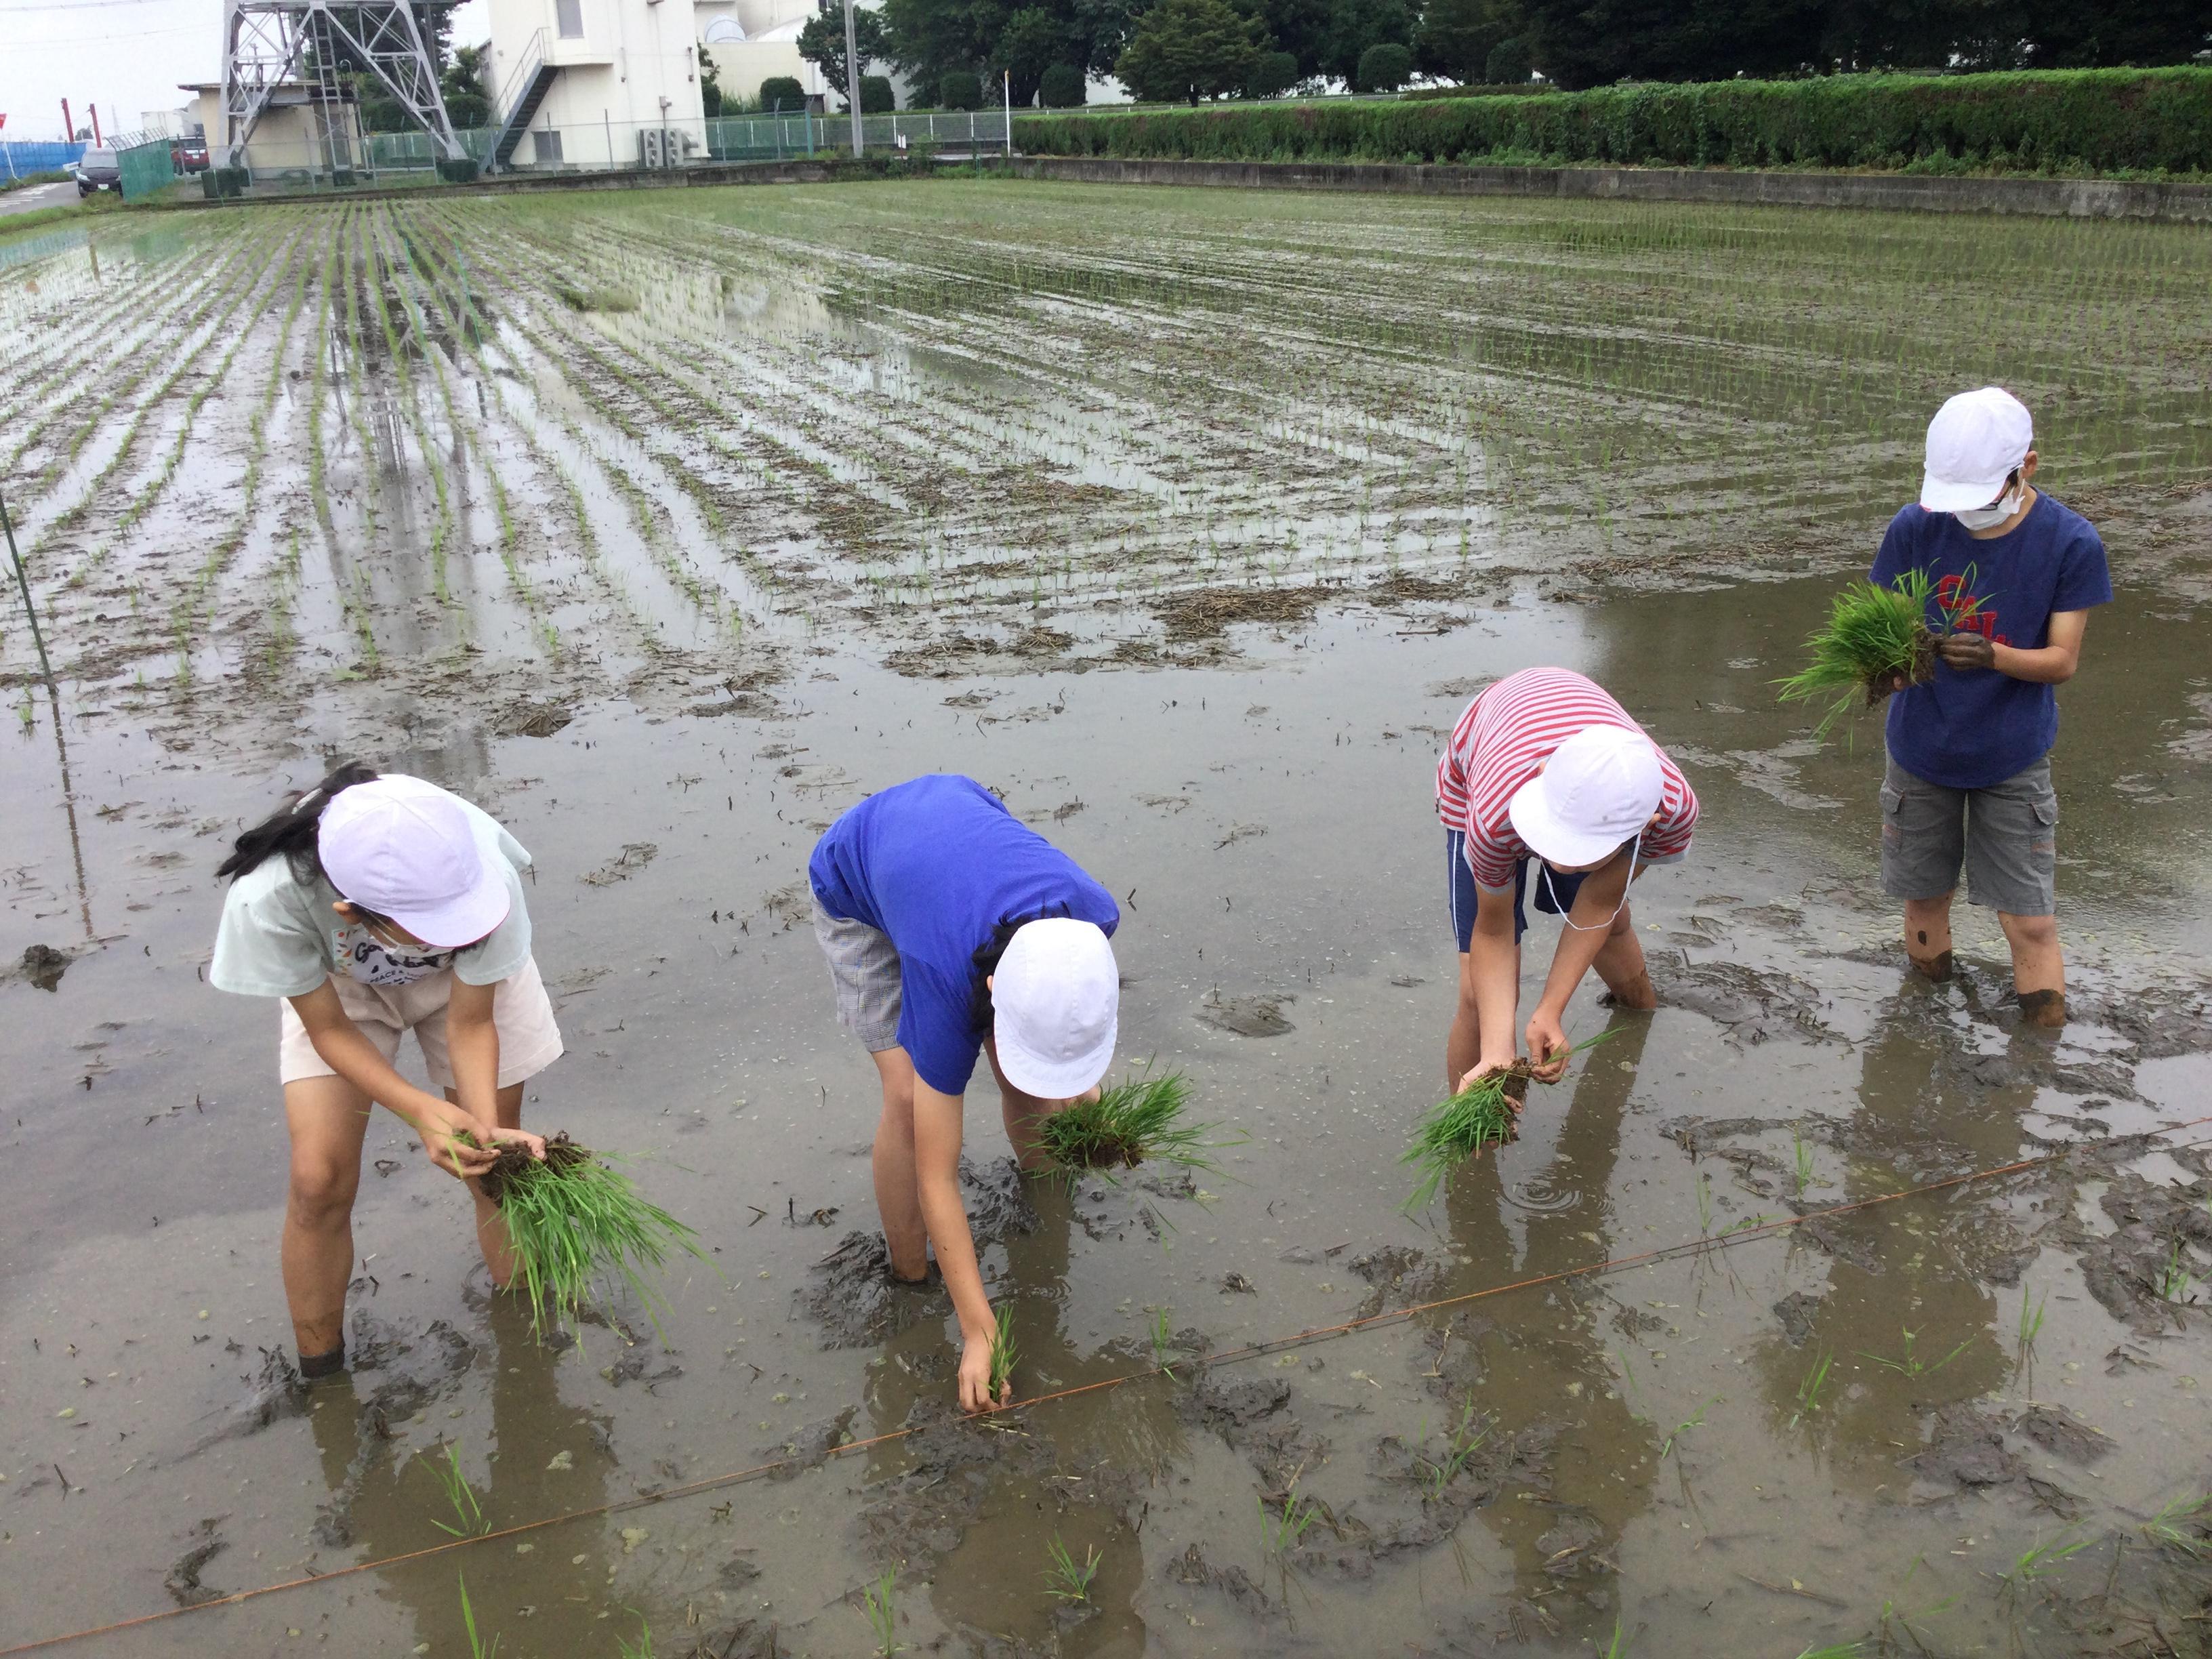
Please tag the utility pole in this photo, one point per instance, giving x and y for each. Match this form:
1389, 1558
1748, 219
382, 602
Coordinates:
852, 74
30, 608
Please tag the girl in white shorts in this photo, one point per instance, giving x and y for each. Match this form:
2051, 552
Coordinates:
376, 905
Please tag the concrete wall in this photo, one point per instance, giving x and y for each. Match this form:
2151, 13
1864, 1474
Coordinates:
2077, 199
635, 64
740, 68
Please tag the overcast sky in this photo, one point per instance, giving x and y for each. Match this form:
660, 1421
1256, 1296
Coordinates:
126, 56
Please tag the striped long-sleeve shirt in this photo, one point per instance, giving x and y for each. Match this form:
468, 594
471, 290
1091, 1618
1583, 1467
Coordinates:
1510, 730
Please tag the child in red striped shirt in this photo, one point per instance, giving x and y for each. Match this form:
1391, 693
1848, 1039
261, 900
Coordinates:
1544, 767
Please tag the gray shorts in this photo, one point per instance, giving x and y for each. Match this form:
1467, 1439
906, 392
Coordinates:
2006, 836
864, 966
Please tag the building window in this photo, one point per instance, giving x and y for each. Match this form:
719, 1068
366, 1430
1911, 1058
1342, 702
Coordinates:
549, 145
568, 16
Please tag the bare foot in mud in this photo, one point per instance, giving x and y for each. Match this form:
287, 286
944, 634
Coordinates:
2043, 1009
1935, 968
1639, 995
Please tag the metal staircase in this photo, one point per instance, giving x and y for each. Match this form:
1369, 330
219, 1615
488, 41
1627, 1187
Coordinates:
526, 89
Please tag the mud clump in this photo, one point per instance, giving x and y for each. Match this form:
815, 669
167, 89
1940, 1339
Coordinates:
1192, 1568
44, 966
1795, 1313
1749, 1006
183, 1581
810, 1447
514, 1163
956, 1464
1245, 1015
1226, 1409
1207, 612
525, 719
1400, 1275
2060, 1433
854, 1298
2131, 1270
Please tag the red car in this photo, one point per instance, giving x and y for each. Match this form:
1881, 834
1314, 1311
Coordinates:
189, 155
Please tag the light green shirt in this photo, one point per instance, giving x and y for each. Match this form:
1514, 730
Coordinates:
280, 938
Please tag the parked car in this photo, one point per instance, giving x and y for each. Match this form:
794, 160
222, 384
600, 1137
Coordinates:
98, 170
189, 155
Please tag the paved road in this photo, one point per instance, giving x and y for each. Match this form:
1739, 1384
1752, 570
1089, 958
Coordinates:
37, 196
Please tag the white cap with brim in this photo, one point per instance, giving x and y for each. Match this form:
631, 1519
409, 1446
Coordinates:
1974, 444
1056, 1002
405, 849
1599, 787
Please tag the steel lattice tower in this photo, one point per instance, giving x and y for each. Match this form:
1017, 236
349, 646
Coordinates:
267, 44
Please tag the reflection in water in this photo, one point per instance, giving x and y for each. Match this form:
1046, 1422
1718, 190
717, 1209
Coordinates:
544, 1458
1544, 1365
1917, 1266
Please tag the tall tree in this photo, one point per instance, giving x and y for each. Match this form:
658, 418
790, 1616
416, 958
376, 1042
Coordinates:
1356, 25
1032, 41
822, 43
1456, 37
1190, 49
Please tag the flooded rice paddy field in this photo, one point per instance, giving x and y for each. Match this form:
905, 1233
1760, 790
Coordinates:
667, 526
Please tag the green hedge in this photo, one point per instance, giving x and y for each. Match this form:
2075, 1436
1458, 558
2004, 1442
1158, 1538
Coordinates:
2131, 121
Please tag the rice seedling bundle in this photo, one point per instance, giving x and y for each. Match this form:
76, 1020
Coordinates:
574, 1222
1127, 1125
1873, 636
1482, 1115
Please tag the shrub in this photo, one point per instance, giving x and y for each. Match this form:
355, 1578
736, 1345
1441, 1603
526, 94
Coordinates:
1509, 63
1275, 74
1384, 67
2071, 121
1062, 87
876, 96
783, 92
960, 89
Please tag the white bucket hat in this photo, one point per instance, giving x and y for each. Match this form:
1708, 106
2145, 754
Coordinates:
1974, 443
405, 849
1599, 789
1056, 1002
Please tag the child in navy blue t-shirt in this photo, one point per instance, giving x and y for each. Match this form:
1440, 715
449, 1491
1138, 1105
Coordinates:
1969, 776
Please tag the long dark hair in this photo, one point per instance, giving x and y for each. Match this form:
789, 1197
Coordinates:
290, 829
987, 960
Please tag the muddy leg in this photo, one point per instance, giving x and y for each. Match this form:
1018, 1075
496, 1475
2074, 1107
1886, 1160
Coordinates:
491, 1230
2038, 968
898, 1197
1620, 964
1927, 936
328, 1118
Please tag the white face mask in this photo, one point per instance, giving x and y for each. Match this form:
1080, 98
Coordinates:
1989, 518
1635, 847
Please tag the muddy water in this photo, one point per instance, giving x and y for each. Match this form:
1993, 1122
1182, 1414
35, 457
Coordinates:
1639, 1452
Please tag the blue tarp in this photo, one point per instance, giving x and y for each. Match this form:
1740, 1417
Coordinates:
18, 158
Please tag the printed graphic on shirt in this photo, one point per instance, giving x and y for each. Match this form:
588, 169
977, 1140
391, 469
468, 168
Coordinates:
1965, 612
370, 960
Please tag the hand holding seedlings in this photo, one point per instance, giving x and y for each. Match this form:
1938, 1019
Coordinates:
1122, 1126
468, 1153
1877, 641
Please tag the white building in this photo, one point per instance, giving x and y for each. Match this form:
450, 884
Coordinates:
593, 83
751, 41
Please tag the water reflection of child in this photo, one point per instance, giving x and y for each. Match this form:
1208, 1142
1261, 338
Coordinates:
430, 935
954, 930
1546, 768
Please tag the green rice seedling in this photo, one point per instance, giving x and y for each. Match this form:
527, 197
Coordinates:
1280, 1533
883, 1613
573, 1221
1804, 1158
1465, 1441
1127, 1125
2036, 1562
1873, 634
468, 1516
1705, 1190
1004, 1354
1481, 1115
1617, 1648
1808, 1389
2175, 1281
2030, 1324
1892, 1615
478, 1648
1162, 1345
577, 297
1909, 1364
1065, 1579
1837, 1650
1697, 1420
640, 1649
2180, 1525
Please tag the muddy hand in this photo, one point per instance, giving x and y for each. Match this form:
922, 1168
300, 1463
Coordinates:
1966, 651
1548, 1048
453, 1155
975, 1376
534, 1145
1479, 1071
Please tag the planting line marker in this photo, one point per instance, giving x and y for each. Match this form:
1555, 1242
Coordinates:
622, 1505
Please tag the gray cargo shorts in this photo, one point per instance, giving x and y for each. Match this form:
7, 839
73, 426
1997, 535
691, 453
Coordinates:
864, 966
2006, 836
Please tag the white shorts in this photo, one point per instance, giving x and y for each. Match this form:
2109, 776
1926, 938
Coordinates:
521, 1012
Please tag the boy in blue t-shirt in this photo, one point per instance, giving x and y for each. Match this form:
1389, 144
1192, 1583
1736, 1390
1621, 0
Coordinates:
954, 931
1969, 775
